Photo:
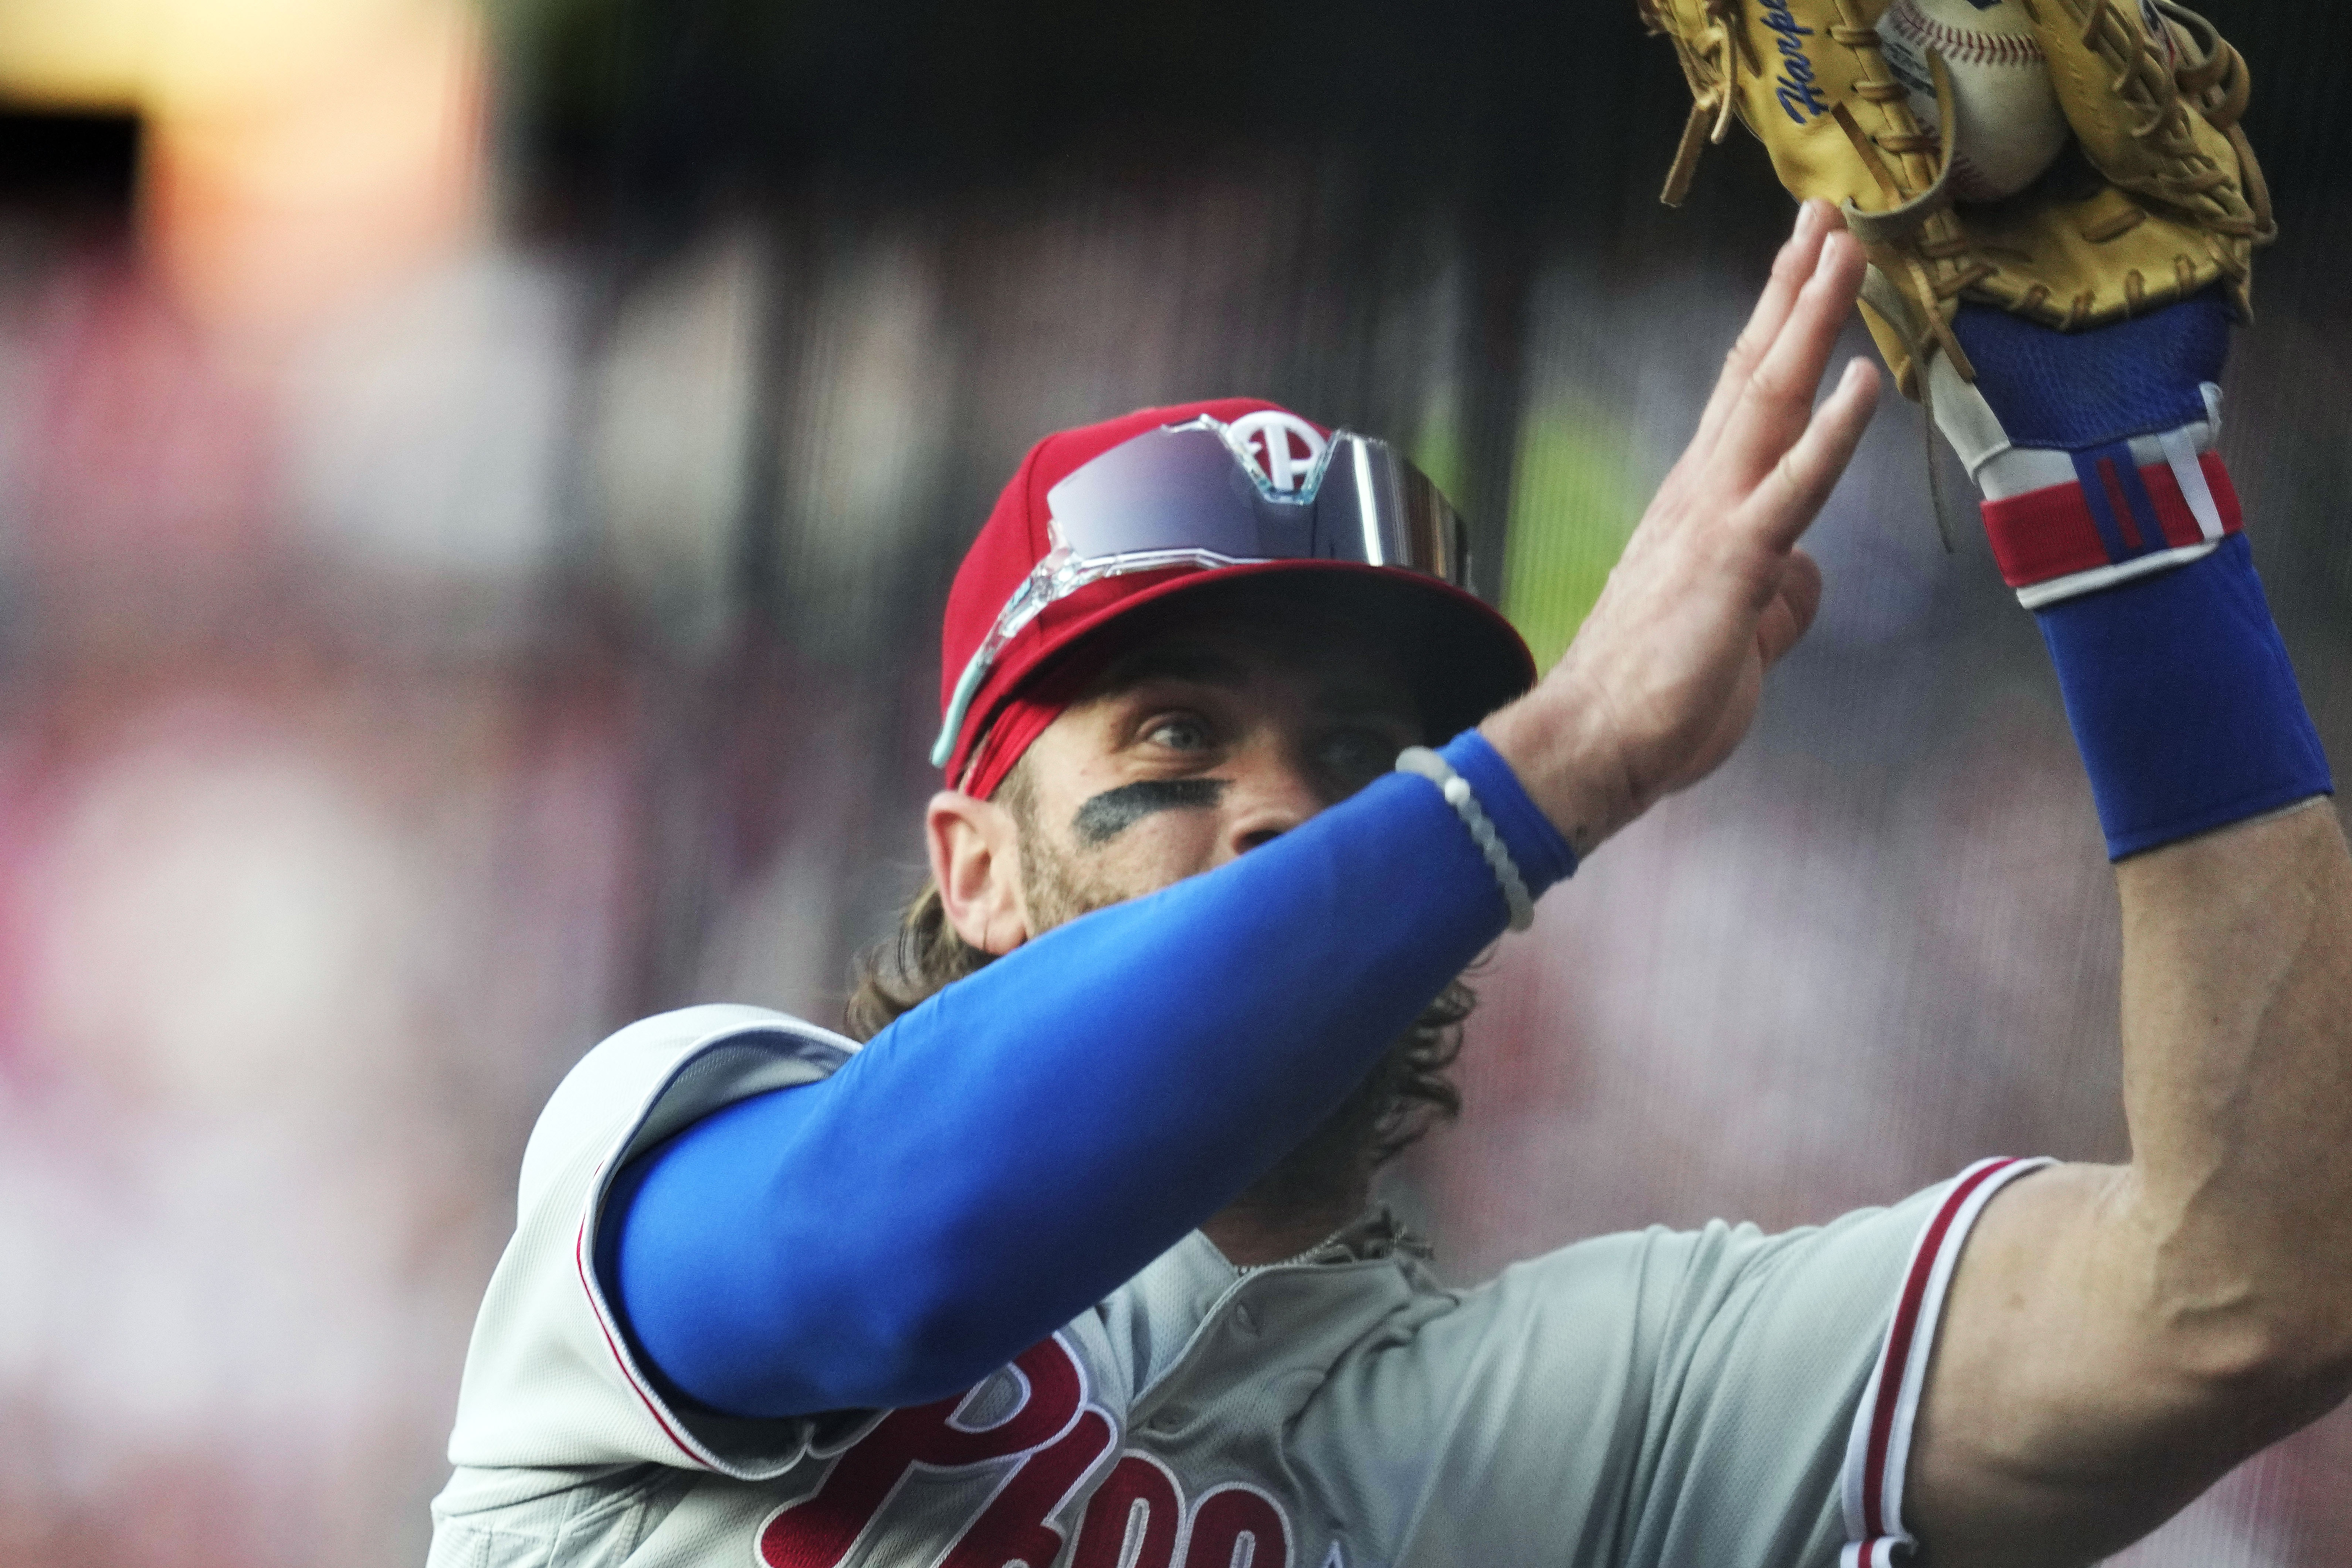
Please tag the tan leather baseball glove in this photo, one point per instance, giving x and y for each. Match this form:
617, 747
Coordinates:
2158, 197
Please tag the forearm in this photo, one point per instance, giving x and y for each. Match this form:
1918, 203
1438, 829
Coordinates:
2193, 731
1008, 1152
2237, 1022
2234, 997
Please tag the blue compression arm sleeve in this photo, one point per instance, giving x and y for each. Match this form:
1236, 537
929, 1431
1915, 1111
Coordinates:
1006, 1154
2184, 704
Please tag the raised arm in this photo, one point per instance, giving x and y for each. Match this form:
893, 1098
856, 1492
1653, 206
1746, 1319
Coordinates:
2118, 1337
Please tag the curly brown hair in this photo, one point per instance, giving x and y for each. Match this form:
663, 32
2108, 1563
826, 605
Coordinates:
1406, 1093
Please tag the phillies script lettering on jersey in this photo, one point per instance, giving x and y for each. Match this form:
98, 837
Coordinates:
1052, 1440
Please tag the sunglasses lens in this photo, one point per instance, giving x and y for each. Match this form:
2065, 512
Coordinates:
1166, 490
1190, 493
1376, 508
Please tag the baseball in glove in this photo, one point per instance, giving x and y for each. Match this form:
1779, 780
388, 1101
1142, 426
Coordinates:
2158, 197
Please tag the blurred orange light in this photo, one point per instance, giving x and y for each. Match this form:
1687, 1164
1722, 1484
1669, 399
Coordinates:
298, 150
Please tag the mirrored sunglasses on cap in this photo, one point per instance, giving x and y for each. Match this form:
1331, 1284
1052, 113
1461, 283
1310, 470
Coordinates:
1194, 495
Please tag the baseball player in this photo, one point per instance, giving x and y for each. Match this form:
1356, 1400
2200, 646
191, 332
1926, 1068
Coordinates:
1069, 1263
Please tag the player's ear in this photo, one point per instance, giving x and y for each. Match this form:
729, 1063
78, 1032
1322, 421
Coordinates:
975, 852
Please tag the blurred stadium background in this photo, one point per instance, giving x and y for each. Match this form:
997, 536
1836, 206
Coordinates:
476, 493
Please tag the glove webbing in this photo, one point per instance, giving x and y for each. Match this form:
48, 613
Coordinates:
2152, 85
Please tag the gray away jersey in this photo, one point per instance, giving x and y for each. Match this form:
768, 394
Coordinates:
1717, 1397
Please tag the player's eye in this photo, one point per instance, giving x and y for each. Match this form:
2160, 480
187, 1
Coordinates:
1178, 732
1354, 757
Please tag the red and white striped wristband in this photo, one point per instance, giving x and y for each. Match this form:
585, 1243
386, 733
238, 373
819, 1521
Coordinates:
2065, 523
2113, 520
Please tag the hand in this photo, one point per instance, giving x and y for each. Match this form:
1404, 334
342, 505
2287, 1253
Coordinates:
1664, 678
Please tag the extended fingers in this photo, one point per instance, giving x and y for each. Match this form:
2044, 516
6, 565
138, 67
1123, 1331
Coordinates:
1791, 268
1773, 410
1783, 503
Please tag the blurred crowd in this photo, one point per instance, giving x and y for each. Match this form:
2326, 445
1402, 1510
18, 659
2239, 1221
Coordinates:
434, 636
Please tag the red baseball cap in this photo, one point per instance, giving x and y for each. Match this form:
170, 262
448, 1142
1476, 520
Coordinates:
999, 689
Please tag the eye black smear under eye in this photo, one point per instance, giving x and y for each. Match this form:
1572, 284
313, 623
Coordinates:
1114, 811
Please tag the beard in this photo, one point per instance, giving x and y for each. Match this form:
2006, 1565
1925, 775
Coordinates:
1330, 1168
1056, 886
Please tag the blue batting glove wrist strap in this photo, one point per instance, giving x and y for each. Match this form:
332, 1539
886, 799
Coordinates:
2095, 450
2183, 702
2074, 390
